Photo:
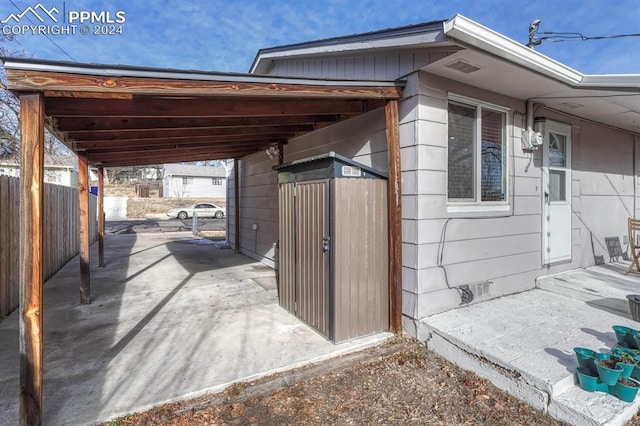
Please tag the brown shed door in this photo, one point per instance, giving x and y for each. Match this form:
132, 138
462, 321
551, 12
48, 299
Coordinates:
312, 260
287, 247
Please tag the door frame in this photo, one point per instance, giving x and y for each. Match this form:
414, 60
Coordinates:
546, 127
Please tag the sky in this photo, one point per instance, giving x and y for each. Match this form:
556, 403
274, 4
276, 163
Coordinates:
225, 36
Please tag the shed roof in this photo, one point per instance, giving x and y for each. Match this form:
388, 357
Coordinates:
333, 157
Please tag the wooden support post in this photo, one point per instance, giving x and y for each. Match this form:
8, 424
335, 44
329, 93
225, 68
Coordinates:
101, 216
395, 217
31, 249
83, 205
236, 202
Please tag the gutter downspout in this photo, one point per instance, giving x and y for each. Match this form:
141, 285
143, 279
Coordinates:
529, 115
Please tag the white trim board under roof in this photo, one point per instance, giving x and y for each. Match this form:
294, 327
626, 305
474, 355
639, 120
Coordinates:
473, 34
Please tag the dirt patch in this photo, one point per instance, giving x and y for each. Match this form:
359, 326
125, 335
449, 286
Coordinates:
125, 189
139, 207
407, 385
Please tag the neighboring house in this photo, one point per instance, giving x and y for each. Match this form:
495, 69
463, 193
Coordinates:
187, 181
484, 212
58, 170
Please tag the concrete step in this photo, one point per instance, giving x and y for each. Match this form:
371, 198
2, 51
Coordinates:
524, 344
578, 407
605, 286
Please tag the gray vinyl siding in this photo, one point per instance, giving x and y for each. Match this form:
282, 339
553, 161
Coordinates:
502, 255
381, 66
473, 248
603, 188
258, 205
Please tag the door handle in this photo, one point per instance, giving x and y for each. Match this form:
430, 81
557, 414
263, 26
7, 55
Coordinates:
546, 197
325, 244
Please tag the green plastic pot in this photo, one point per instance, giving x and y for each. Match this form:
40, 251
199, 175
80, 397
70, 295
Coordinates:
624, 349
607, 375
635, 340
626, 336
627, 369
626, 393
587, 379
586, 358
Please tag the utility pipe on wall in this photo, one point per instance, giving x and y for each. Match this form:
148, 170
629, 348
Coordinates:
529, 115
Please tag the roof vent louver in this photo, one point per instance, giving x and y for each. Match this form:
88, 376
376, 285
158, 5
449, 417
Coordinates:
463, 66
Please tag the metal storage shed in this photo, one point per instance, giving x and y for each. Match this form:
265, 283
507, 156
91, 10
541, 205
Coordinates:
333, 256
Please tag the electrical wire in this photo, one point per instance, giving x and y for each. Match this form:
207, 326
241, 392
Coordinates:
562, 37
48, 38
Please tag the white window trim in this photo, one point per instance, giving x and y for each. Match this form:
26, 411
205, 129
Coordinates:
466, 206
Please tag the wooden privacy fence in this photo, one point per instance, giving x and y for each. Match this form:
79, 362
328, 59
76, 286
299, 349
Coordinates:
61, 234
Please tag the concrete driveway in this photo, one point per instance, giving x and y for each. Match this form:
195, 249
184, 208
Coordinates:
171, 316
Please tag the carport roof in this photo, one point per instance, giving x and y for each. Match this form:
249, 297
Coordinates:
122, 115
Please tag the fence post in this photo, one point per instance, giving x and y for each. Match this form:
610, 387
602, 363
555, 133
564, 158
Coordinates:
83, 206
101, 216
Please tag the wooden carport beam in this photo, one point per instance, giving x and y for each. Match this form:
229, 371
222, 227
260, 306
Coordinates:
101, 216
83, 205
67, 85
31, 244
395, 217
177, 157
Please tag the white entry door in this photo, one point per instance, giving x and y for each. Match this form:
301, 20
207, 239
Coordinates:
556, 194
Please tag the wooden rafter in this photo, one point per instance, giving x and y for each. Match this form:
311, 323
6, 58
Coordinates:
199, 107
180, 156
172, 147
106, 156
109, 124
193, 132
176, 142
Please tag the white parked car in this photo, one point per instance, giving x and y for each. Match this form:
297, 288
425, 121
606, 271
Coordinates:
202, 210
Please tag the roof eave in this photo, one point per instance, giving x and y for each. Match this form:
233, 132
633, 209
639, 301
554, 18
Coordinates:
412, 35
473, 34
621, 82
